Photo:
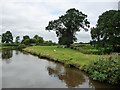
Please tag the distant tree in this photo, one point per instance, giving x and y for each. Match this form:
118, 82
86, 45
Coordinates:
17, 39
36, 36
37, 39
7, 37
32, 40
26, 37
67, 25
49, 43
26, 40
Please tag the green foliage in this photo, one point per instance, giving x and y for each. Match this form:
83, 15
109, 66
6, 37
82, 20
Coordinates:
9, 46
26, 37
26, 40
17, 39
85, 48
7, 37
107, 31
38, 40
67, 25
49, 43
95, 34
21, 46
105, 69
13, 46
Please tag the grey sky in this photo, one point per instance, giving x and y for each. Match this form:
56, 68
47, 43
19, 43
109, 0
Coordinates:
30, 17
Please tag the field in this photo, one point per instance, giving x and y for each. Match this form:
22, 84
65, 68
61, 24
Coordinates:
63, 55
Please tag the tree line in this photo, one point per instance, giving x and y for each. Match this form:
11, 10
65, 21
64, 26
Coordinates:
7, 38
105, 34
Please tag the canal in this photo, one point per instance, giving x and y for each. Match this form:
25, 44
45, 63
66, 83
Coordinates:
22, 70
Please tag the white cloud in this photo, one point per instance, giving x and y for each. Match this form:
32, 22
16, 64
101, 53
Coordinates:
32, 16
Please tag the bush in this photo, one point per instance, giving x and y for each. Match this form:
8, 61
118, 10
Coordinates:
105, 69
107, 50
88, 49
21, 46
85, 48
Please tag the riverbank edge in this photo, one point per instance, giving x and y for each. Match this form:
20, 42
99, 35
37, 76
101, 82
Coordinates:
77, 66
8, 47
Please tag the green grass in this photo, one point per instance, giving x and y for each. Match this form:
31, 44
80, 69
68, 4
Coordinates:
12, 46
63, 55
6, 47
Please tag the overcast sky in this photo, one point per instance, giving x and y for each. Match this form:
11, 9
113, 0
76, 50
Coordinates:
30, 17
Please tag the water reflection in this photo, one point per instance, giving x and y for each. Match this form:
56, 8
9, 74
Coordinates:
26, 53
30, 72
6, 55
17, 52
74, 78
70, 76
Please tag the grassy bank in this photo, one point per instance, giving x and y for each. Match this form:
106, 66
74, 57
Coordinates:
63, 55
12, 46
7, 47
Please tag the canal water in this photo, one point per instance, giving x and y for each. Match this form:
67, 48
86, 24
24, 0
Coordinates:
22, 70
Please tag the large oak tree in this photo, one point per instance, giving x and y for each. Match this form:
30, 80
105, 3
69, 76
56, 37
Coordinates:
67, 25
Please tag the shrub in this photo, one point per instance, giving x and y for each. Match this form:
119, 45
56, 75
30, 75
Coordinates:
85, 48
21, 46
105, 69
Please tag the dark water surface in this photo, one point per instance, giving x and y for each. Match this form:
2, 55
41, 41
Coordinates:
22, 70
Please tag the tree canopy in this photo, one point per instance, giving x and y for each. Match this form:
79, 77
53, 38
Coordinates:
107, 30
37, 39
68, 24
7, 37
17, 39
26, 40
